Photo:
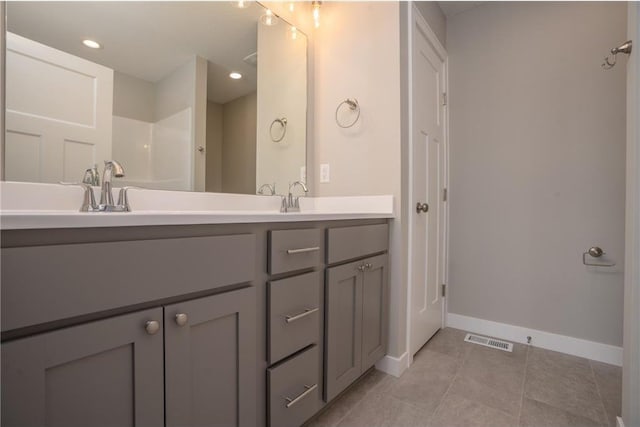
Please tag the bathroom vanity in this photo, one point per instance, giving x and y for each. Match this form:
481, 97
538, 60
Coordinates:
252, 324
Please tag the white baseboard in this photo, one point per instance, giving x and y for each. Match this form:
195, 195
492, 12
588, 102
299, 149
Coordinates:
619, 422
575, 346
393, 365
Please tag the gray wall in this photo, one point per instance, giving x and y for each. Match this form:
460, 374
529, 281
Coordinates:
133, 97
239, 145
436, 19
537, 166
213, 180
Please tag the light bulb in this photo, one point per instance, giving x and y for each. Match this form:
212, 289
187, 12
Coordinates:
235, 75
267, 18
242, 4
291, 7
316, 13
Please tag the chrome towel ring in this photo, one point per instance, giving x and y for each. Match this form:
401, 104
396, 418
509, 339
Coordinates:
283, 125
354, 107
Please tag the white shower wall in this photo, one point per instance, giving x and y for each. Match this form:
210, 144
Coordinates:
158, 154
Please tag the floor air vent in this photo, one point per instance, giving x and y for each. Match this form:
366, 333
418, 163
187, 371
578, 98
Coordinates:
489, 342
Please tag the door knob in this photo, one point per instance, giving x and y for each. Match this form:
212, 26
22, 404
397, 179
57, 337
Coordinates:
152, 326
595, 251
422, 207
181, 319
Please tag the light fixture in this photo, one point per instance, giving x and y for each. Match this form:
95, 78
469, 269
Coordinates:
234, 75
91, 43
315, 5
242, 4
268, 18
291, 6
294, 33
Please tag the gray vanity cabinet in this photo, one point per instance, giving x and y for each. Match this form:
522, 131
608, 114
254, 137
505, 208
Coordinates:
355, 337
210, 367
103, 373
343, 335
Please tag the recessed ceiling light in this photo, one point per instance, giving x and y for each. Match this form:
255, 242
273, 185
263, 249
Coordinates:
92, 44
235, 75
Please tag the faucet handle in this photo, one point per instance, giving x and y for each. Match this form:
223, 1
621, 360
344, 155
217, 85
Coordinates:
89, 202
123, 198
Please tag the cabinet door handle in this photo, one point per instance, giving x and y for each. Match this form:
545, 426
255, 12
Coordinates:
152, 326
361, 267
303, 250
306, 312
368, 266
309, 389
181, 319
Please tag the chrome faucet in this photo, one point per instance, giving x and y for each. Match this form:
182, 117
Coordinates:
91, 176
292, 203
270, 187
111, 169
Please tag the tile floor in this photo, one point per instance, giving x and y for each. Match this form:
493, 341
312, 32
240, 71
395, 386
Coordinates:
453, 383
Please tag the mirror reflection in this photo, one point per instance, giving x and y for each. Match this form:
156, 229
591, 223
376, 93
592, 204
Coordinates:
196, 96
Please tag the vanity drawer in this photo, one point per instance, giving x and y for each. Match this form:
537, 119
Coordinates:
294, 390
347, 243
294, 314
41, 284
291, 250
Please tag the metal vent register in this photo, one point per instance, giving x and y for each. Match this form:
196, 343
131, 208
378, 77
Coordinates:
489, 342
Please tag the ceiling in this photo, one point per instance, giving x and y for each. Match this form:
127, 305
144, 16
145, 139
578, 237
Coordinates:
452, 8
149, 40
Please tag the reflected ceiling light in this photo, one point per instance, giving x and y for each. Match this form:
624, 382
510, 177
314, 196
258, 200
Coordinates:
316, 12
268, 18
242, 4
291, 6
91, 43
234, 75
294, 33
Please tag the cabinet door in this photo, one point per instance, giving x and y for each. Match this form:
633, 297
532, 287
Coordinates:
210, 361
374, 310
104, 373
343, 335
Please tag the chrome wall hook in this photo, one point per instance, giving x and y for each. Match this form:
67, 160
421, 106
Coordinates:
611, 59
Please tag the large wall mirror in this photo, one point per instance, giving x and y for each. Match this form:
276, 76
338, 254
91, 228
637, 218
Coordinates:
195, 96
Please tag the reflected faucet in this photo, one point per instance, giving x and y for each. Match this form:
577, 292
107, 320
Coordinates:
270, 187
111, 169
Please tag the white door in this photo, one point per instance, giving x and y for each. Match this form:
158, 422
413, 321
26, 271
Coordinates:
428, 157
59, 113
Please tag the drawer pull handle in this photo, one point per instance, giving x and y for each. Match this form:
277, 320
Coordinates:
305, 313
303, 250
309, 389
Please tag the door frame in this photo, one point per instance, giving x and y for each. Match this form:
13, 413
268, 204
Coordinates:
416, 18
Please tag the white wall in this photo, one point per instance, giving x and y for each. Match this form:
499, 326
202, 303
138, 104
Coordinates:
357, 55
631, 360
537, 166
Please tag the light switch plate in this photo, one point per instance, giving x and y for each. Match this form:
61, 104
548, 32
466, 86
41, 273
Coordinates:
325, 173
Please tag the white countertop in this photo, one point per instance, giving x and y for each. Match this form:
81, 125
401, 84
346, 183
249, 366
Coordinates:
45, 206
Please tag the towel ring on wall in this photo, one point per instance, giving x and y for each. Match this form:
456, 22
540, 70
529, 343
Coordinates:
610, 60
353, 105
283, 124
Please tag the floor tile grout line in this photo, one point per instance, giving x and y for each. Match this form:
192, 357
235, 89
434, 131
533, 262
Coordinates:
359, 401
524, 384
595, 381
